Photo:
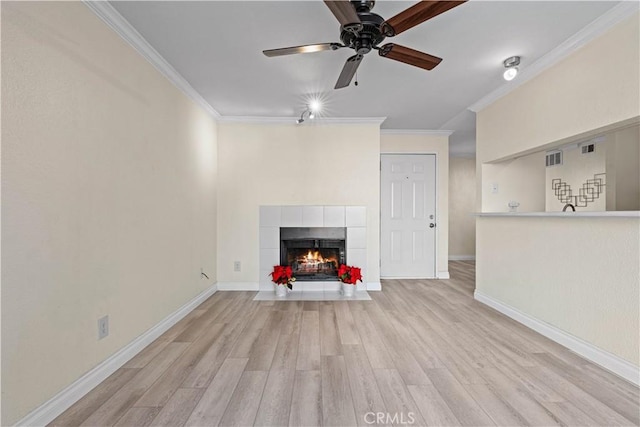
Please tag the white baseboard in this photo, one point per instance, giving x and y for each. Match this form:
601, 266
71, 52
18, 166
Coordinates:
374, 286
443, 275
611, 362
462, 257
238, 286
59, 403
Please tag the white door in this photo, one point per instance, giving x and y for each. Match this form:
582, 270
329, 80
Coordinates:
408, 216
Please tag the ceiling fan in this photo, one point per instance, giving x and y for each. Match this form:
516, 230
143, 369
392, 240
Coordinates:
363, 30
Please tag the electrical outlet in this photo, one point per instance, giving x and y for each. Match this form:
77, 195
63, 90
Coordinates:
103, 327
236, 266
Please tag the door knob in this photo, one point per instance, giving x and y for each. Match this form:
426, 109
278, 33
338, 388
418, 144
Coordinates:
431, 225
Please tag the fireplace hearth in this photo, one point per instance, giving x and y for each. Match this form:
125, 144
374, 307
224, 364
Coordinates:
314, 253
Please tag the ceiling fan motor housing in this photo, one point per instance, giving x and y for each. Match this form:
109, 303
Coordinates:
368, 37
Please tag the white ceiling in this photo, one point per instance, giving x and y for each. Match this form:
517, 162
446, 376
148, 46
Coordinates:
217, 47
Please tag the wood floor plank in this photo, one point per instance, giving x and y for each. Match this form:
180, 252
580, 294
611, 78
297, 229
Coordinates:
461, 403
619, 402
244, 403
432, 407
242, 347
309, 343
179, 407
364, 389
500, 411
264, 348
403, 360
137, 417
123, 399
517, 396
588, 404
330, 344
306, 402
337, 404
570, 415
212, 360
346, 324
214, 401
171, 380
82, 409
376, 350
145, 356
276, 400
397, 398
286, 355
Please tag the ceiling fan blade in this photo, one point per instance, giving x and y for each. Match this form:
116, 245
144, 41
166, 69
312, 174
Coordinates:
349, 69
416, 14
409, 56
346, 14
302, 49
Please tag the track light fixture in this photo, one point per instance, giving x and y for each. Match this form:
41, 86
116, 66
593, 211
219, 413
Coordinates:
310, 112
511, 65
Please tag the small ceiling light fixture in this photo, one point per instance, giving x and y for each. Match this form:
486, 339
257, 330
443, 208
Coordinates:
511, 65
314, 107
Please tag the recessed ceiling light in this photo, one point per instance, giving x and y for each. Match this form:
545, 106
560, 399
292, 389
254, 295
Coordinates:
511, 65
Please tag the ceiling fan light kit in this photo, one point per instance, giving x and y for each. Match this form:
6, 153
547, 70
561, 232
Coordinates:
363, 31
511, 65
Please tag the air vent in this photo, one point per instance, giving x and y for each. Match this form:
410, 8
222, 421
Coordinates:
554, 158
588, 148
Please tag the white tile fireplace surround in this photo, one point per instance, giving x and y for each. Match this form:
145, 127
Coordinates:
354, 218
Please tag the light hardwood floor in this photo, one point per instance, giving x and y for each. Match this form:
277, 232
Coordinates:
422, 351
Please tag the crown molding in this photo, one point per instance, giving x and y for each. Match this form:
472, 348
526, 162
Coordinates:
125, 30
595, 29
292, 120
416, 132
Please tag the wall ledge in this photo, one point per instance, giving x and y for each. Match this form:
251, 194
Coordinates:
609, 361
62, 401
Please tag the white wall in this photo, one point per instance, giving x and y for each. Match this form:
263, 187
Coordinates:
462, 197
282, 164
578, 275
108, 198
432, 144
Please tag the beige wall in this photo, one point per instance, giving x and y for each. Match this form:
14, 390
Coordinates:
579, 275
438, 145
520, 180
108, 198
276, 164
623, 169
462, 196
584, 281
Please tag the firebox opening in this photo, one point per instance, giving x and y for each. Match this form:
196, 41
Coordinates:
313, 253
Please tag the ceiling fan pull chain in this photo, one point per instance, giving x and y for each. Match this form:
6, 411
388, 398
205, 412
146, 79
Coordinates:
356, 82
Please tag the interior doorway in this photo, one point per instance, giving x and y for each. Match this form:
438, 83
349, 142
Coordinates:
408, 216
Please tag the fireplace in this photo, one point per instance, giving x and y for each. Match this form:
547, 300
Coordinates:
314, 253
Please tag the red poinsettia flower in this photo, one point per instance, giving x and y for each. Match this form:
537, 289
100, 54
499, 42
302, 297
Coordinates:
349, 275
283, 275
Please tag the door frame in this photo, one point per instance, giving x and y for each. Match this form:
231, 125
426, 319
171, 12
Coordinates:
437, 206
